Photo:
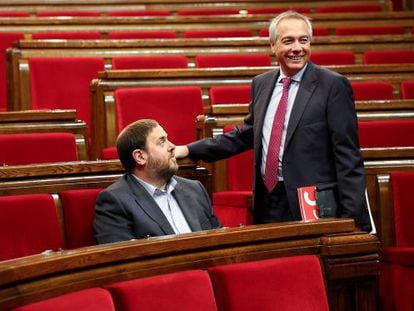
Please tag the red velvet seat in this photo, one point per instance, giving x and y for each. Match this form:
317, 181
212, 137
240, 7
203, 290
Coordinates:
277, 10
31, 148
386, 133
63, 83
139, 13
28, 225
175, 108
372, 90
6, 41
234, 206
144, 34
67, 35
217, 11
79, 213
388, 57
68, 13
183, 291
230, 94
232, 60
326, 58
371, 30
285, 284
397, 263
407, 89
317, 31
217, 33
149, 62
91, 299
349, 8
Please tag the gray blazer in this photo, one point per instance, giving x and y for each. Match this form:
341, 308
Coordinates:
321, 145
125, 210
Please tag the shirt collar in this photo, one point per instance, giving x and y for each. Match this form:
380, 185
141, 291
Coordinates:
297, 77
153, 190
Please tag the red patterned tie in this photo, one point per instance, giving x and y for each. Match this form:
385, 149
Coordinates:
270, 177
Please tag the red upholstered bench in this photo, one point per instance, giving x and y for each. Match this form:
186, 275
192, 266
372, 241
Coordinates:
78, 208
289, 283
181, 291
28, 225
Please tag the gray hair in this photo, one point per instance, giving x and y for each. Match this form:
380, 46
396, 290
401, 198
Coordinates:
273, 35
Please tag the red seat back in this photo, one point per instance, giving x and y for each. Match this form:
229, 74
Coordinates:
149, 62
31, 148
91, 299
217, 33
182, 291
326, 58
28, 225
68, 13
6, 41
402, 188
14, 14
63, 83
144, 34
287, 283
372, 90
67, 35
349, 8
369, 30
388, 57
407, 89
175, 108
232, 60
386, 133
139, 13
218, 11
230, 94
276, 10
79, 213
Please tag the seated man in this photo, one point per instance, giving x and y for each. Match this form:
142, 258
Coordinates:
149, 200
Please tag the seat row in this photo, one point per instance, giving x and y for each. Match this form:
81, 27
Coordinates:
180, 9
225, 287
45, 276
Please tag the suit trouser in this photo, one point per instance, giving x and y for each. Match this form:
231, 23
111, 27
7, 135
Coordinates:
276, 206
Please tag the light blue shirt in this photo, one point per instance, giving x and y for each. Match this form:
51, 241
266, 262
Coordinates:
168, 205
270, 114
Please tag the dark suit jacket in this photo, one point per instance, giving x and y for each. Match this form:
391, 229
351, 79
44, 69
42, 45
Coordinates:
321, 145
125, 210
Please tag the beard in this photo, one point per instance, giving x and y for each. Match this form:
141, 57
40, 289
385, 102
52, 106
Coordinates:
162, 170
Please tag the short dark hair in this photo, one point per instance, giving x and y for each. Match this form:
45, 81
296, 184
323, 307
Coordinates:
134, 136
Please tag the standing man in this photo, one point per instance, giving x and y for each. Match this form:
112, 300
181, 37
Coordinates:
302, 126
149, 200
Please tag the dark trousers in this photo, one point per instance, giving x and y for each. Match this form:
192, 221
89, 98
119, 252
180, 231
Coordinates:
275, 206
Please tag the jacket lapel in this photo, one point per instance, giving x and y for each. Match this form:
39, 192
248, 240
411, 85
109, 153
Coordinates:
306, 88
261, 105
184, 200
144, 201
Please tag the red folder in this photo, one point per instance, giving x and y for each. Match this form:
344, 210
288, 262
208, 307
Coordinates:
307, 203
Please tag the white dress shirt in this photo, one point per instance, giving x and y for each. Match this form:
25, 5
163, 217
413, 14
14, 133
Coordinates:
270, 114
168, 205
